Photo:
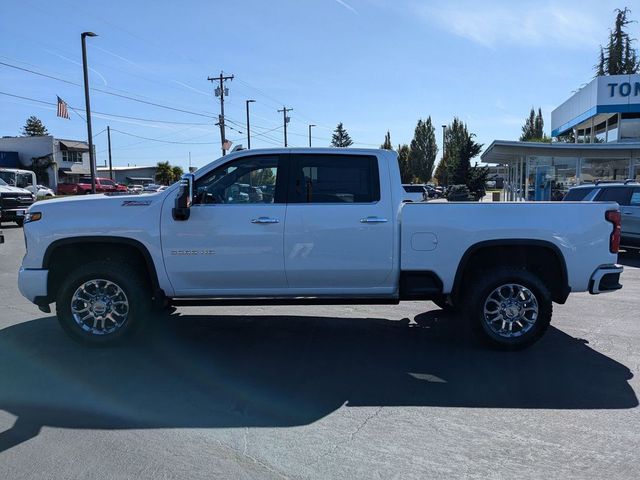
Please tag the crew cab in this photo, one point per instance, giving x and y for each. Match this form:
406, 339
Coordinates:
319, 226
14, 203
103, 185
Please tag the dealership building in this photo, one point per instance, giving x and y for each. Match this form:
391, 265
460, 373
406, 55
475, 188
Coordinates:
602, 120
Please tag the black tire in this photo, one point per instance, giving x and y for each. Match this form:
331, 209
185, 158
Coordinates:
485, 285
19, 222
127, 279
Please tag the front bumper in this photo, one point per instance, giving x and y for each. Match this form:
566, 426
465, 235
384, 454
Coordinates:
13, 214
32, 283
605, 279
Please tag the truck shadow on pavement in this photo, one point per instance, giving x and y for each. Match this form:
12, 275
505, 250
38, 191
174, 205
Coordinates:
268, 371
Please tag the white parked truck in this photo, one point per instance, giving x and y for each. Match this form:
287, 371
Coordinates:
314, 226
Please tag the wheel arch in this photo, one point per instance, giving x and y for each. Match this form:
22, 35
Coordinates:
529, 254
77, 250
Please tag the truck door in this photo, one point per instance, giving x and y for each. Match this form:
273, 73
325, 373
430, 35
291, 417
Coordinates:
339, 233
631, 219
232, 244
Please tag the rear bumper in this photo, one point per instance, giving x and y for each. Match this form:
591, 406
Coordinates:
605, 279
32, 283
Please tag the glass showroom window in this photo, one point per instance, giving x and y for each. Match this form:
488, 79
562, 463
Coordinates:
630, 127
551, 177
604, 169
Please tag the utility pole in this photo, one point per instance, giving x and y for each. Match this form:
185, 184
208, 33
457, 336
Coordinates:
85, 69
444, 131
221, 91
286, 120
109, 147
310, 133
248, 129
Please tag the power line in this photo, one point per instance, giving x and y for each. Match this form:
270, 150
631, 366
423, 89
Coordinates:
146, 102
106, 114
163, 141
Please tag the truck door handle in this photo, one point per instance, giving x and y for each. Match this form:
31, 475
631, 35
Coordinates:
372, 219
627, 213
265, 220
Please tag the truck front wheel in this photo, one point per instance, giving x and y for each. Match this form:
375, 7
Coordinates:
102, 302
509, 308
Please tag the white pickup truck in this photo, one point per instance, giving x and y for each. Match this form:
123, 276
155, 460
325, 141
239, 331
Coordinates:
314, 226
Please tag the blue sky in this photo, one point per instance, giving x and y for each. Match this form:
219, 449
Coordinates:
371, 64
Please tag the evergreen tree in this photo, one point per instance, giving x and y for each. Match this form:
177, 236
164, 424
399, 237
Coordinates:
538, 125
441, 172
533, 128
34, 127
387, 142
423, 150
403, 162
600, 66
460, 148
528, 129
164, 173
619, 57
340, 137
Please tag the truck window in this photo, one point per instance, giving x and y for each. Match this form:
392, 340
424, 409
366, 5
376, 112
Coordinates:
621, 195
635, 198
247, 180
24, 180
577, 194
324, 178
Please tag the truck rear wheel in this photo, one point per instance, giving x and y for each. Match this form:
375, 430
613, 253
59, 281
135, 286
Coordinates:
509, 308
102, 302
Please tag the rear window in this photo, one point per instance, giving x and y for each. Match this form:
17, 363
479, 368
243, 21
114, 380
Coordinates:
335, 179
621, 195
577, 194
414, 188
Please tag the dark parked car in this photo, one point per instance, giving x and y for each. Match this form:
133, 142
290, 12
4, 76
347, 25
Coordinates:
626, 194
14, 202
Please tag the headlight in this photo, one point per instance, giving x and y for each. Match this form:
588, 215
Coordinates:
32, 217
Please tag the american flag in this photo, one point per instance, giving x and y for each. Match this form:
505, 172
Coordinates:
62, 109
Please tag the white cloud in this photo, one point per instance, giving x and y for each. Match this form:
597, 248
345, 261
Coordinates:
492, 24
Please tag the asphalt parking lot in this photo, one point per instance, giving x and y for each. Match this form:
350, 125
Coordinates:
320, 392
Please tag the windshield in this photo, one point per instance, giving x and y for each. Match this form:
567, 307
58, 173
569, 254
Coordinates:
9, 178
3, 183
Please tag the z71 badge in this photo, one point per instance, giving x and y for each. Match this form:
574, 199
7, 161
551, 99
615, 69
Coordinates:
136, 203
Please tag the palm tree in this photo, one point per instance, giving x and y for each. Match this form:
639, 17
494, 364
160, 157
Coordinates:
164, 173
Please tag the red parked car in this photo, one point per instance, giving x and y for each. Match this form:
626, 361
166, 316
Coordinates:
103, 185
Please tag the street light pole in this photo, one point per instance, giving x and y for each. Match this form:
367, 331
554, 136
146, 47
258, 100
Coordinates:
92, 160
248, 129
312, 125
444, 131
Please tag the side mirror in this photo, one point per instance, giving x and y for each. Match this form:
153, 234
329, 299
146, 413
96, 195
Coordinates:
182, 208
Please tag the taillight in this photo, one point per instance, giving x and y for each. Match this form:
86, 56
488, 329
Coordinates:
613, 216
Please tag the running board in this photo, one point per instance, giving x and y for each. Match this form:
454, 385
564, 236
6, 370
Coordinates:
202, 302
